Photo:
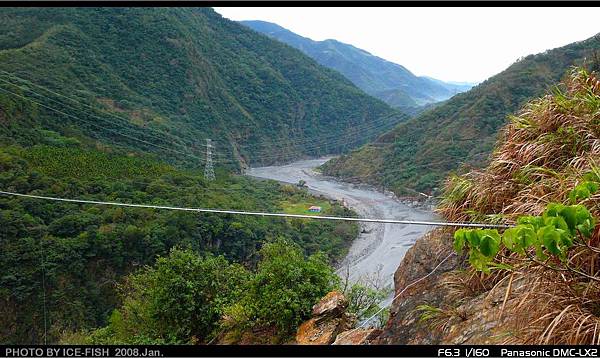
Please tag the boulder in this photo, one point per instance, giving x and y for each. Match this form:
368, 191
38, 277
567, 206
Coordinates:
315, 331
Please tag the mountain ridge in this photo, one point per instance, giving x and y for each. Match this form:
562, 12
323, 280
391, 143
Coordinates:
371, 73
459, 133
190, 73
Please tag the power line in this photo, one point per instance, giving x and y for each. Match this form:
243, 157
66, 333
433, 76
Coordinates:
376, 125
122, 124
253, 213
342, 142
118, 124
122, 119
112, 130
152, 144
380, 119
98, 126
355, 129
313, 144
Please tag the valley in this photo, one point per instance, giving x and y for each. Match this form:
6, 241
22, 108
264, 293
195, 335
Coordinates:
460, 133
162, 171
376, 253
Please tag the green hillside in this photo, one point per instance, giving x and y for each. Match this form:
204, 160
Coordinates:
115, 104
419, 153
162, 80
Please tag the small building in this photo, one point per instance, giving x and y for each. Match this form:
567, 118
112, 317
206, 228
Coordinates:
314, 209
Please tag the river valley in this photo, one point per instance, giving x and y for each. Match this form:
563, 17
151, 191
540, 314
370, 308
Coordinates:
376, 253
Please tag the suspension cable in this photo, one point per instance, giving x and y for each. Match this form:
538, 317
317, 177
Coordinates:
255, 213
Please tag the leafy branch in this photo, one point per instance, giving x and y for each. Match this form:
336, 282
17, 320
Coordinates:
550, 235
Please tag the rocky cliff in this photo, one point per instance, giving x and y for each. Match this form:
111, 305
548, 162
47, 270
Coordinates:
456, 316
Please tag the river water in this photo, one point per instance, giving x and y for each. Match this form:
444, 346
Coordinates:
377, 252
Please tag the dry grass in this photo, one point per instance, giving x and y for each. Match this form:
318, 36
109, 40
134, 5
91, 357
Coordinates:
544, 152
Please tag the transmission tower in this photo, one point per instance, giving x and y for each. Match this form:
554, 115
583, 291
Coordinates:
209, 172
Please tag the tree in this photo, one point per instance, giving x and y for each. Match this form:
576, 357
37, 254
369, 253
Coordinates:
179, 300
284, 288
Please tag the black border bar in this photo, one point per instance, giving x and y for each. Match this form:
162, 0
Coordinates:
297, 351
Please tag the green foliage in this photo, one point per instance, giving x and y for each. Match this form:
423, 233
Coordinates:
141, 72
552, 233
583, 191
364, 302
284, 288
85, 250
429, 312
89, 164
184, 297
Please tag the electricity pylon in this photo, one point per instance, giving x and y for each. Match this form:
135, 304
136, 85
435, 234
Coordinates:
209, 172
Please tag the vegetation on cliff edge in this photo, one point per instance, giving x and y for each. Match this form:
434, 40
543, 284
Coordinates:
544, 176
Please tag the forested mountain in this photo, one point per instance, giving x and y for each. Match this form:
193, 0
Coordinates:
186, 72
418, 154
390, 82
114, 104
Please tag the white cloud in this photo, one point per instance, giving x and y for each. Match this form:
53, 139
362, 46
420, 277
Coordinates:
452, 44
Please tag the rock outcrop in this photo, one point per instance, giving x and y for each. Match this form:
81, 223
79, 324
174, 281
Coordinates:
404, 325
475, 319
357, 336
329, 319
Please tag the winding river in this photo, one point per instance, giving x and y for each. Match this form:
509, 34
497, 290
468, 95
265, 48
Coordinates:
377, 252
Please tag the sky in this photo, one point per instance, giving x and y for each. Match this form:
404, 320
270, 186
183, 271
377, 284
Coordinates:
450, 44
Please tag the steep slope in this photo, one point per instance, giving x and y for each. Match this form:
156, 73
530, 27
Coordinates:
186, 72
419, 153
385, 80
536, 293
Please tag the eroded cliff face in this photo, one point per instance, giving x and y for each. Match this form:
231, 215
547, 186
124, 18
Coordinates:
466, 316
404, 325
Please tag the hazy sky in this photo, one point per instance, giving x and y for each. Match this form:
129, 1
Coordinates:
451, 44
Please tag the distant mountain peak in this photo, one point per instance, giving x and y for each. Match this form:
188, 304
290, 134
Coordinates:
388, 81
